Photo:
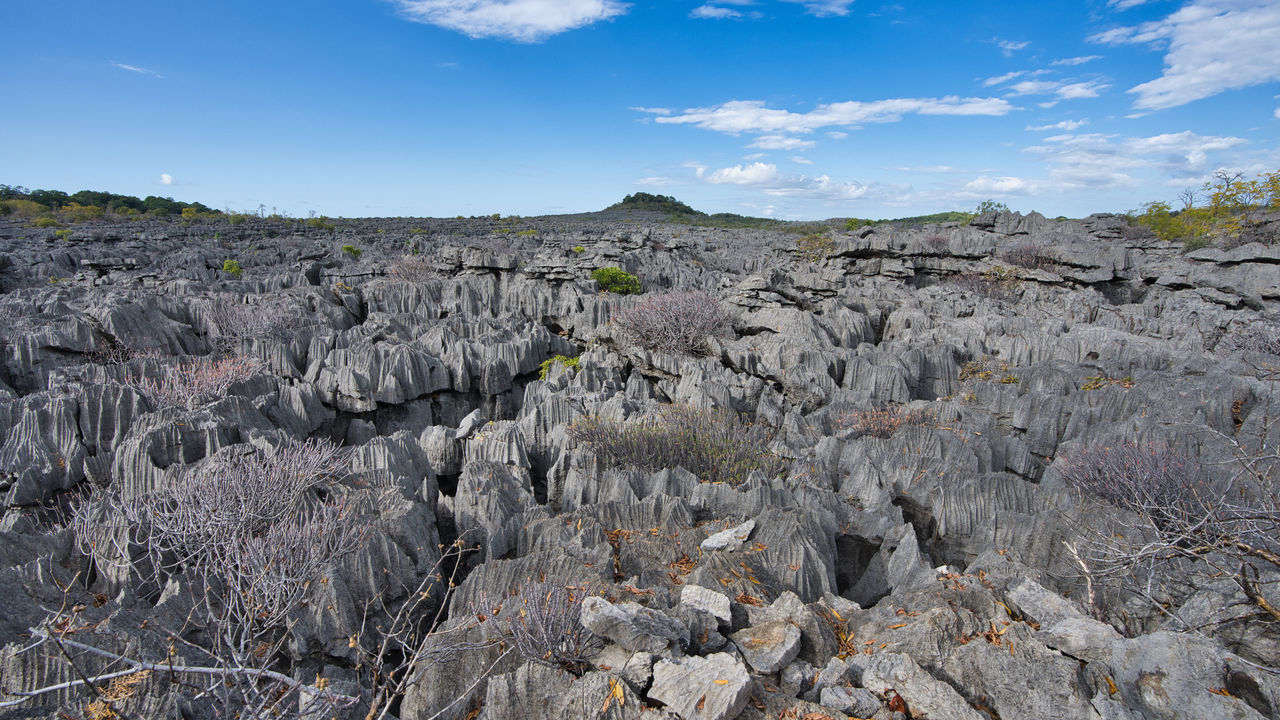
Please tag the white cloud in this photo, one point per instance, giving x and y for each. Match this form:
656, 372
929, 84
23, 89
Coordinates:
1094, 160
739, 116
801, 160
1073, 61
1009, 46
711, 12
824, 8
1064, 125
653, 110
1126, 4
167, 179
519, 20
987, 185
837, 135
1277, 113
781, 142
754, 156
136, 69
765, 177
1213, 46
756, 173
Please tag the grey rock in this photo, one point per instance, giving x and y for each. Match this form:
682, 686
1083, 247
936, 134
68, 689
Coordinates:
715, 687
769, 647
634, 627
730, 539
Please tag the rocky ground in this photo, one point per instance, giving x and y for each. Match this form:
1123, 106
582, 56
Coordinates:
940, 569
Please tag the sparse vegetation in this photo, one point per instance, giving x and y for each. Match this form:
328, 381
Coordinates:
999, 283
412, 268
815, 247
1030, 256
544, 370
616, 280
675, 322
353, 251
232, 268
716, 445
883, 422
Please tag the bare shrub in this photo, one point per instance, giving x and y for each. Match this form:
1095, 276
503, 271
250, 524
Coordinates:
1186, 529
676, 322
883, 422
545, 627
230, 323
1030, 256
1260, 337
412, 268
244, 540
716, 445
1155, 479
998, 283
197, 380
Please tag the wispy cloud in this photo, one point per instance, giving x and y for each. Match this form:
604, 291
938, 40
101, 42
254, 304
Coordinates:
1094, 160
781, 142
1073, 61
714, 12
1067, 125
800, 160
1008, 47
1126, 4
1213, 46
519, 20
987, 186
136, 69
1062, 90
1001, 79
824, 8
752, 116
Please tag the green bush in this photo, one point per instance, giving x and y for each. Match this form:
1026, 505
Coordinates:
46, 222
64, 234
232, 267
578, 249
545, 368
616, 280
352, 250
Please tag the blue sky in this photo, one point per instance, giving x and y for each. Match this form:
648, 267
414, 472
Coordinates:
788, 108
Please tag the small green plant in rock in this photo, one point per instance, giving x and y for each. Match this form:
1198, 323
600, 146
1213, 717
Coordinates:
545, 368
232, 268
64, 234
578, 249
46, 222
352, 250
616, 280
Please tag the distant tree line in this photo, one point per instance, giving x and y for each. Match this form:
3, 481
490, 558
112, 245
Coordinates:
91, 204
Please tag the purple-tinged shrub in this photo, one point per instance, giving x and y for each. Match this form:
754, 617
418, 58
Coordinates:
676, 322
1159, 481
